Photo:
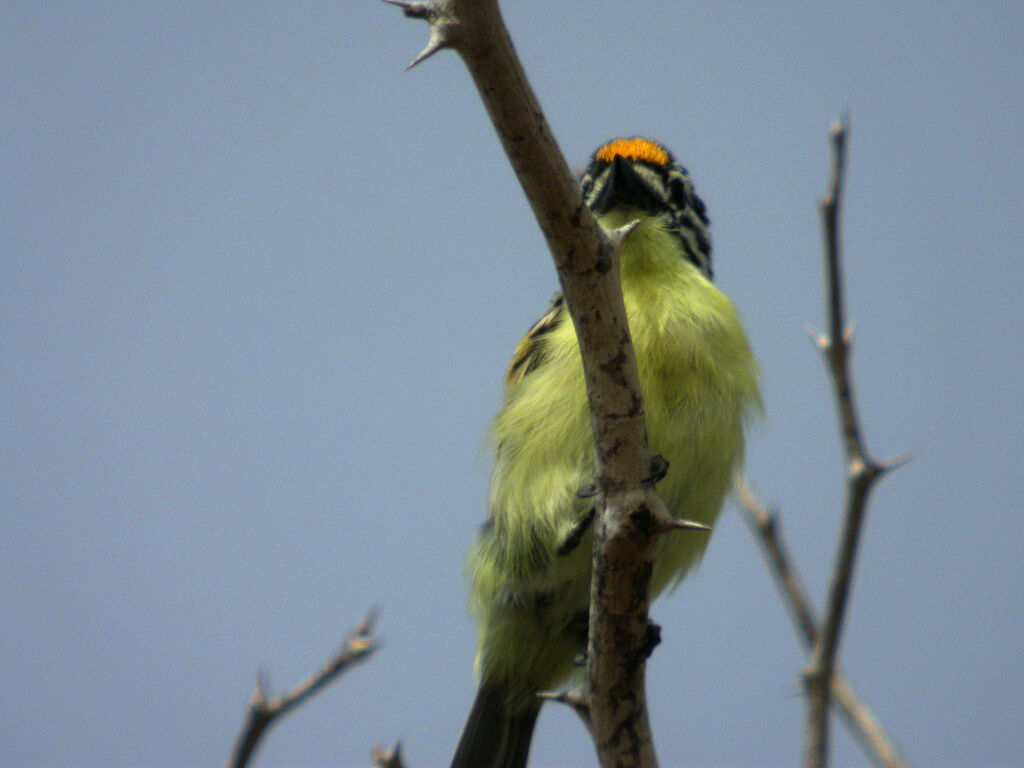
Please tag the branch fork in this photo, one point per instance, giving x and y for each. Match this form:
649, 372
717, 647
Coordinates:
264, 711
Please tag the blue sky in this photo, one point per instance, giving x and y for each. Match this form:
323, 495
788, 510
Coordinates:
258, 287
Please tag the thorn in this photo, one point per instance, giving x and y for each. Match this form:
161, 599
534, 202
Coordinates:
618, 236
365, 627
439, 30
895, 462
391, 758
819, 339
663, 522
677, 524
435, 45
361, 640
259, 696
848, 333
413, 10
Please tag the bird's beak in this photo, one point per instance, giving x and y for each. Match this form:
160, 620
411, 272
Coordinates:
624, 187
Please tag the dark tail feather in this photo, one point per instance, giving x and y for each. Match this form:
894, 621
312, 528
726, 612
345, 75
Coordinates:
492, 737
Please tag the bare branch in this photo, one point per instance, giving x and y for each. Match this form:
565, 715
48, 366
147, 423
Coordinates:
764, 522
859, 720
587, 263
862, 471
264, 712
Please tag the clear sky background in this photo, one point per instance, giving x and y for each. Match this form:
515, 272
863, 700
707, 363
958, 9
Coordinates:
258, 288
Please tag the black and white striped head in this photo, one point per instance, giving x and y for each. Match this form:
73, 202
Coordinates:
640, 173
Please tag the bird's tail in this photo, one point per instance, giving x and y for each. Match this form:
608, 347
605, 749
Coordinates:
495, 737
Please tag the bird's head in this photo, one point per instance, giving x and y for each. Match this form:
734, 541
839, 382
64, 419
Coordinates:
640, 174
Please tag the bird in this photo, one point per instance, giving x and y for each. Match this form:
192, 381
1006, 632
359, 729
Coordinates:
529, 567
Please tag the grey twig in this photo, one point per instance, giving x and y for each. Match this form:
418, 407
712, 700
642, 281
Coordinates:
861, 722
861, 471
264, 712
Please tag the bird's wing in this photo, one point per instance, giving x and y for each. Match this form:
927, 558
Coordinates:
531, 352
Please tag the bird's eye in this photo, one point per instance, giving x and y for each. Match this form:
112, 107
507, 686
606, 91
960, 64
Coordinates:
677, 190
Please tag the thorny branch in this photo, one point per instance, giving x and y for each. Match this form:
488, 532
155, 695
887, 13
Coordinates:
587, 262
264, 712
861, 475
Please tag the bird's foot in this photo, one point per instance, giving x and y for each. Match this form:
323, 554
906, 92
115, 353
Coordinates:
652, 638
575, 535
659, 468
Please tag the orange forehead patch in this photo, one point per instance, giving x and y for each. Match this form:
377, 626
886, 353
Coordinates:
633, 149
